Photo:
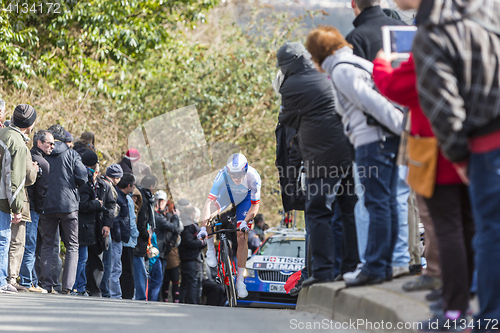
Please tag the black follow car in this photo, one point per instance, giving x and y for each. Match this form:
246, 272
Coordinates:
267, 270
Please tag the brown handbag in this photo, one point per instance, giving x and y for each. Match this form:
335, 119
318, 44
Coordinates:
422, 164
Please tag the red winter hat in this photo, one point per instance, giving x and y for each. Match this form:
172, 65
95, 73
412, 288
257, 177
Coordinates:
133, 155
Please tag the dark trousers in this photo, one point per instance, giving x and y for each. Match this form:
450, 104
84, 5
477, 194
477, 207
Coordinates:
321, 195
106, 261
56, 269
189, 282
127, 277
171, 275
49, 224
451, 213
337, 239
213, 292
378, 174
94, 271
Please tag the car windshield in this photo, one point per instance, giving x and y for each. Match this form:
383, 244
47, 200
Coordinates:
284, 248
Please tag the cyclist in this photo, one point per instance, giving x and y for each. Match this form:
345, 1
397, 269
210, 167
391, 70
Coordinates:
237, 185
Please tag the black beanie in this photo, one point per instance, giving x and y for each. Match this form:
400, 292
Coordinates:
89, 158
24, 116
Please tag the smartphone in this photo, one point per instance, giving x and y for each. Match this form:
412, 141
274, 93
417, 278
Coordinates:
398, 39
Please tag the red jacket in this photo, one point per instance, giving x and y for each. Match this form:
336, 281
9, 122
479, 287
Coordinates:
400, 85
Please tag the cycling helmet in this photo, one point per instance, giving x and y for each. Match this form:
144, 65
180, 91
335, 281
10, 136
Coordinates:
237, 165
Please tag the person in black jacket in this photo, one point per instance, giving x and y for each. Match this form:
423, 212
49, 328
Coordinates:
366, 38
60, 208
145, 217
189, 253
308, 107
120, 233
43, 145
96, 215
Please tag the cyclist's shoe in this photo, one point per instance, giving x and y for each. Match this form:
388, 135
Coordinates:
242, 225
211, 259
242, 289
202, 234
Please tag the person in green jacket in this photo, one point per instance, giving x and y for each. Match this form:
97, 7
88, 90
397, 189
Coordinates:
13, 152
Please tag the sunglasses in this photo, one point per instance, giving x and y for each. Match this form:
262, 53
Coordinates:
238, 175
50, 143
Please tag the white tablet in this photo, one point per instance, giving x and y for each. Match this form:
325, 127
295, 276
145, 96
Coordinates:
398, 39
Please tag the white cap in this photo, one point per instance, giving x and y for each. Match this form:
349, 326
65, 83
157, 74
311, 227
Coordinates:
160, 195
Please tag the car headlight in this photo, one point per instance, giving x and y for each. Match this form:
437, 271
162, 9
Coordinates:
249, 273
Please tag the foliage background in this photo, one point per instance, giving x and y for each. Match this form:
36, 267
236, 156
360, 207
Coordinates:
108, 66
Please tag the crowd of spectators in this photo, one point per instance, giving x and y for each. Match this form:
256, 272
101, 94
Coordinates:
121, 238
350, 111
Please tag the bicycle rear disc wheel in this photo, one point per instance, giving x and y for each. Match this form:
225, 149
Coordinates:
228, 269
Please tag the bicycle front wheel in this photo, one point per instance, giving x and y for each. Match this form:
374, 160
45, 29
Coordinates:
228, 275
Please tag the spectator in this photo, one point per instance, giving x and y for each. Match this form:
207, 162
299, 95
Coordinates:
127, 279
130, 163
120, 233
457, 56
373, 125
449, 206
69, 139
366, 37
308, 106
145, 217
113, 175
86, 141
44, 143
172, 269
140, 272
96, 215
18, 231
2, 113
259, 225
167, 230
13, 145
189, 252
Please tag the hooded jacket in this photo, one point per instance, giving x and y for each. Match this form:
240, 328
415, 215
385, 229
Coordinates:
167, 230
12, 169
38, 191
308, 107
457, 60
92, 217
366, 38
145, 217
121, 224
190, 247
67, 172
355, 96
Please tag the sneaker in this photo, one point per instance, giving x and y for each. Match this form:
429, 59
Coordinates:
66, 291
52, 291
8, 289
211, 260
74, 293
18, 287
298, 287
350, 276
423, 282
398, 271
437, 306
443, 322
242, 289
34, 289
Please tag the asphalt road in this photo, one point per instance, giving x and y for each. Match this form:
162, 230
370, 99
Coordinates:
29, 312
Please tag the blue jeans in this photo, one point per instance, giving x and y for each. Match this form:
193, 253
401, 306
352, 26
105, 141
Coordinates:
155, 281
140, 278
81, 278
27, 272
115, 289
401, 255
361, 217
4, 246
484, 189
106, 262
378, 173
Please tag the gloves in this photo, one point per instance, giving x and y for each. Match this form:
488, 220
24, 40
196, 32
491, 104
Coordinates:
242, 225
203, 233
